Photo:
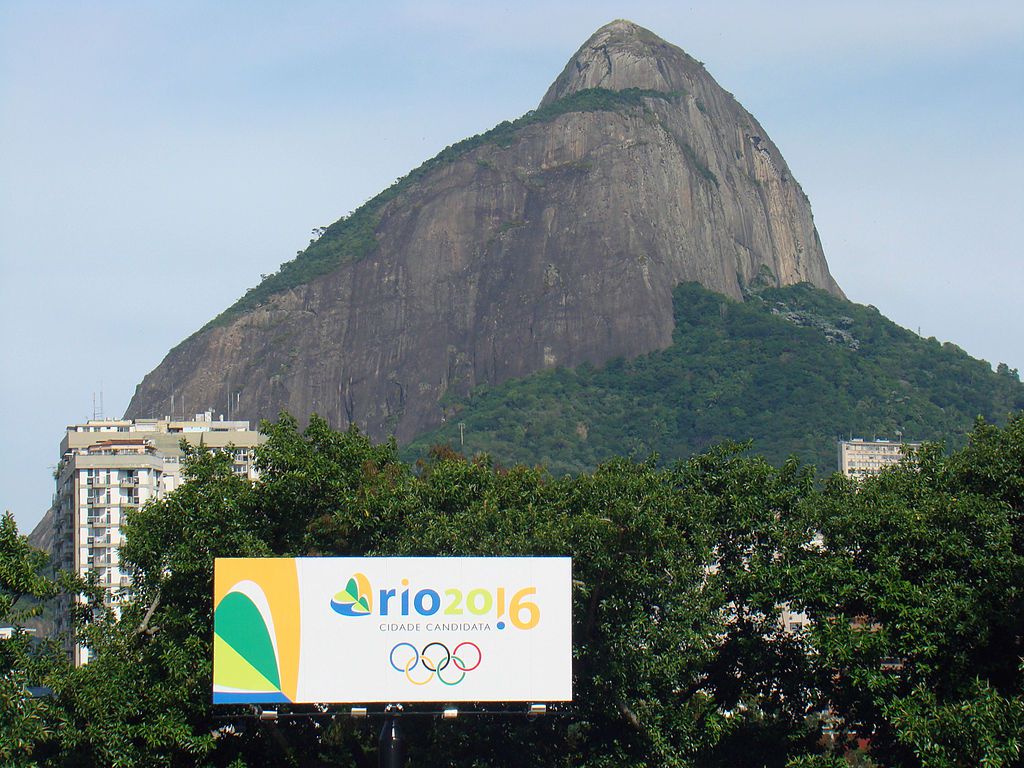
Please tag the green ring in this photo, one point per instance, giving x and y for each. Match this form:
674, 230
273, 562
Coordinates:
456, 658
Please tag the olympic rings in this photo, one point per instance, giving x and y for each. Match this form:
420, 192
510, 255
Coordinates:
433, 666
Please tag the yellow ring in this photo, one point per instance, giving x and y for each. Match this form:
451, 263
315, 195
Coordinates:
408, 666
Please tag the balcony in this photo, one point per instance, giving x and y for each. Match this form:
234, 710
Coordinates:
130, 482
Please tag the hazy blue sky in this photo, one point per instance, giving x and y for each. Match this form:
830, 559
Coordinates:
155, 158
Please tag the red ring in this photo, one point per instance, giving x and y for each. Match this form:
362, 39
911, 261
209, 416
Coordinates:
479, 656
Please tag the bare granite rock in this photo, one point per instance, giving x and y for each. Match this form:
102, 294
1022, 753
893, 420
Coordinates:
561, 248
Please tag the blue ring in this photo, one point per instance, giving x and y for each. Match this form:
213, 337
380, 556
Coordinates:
391, 657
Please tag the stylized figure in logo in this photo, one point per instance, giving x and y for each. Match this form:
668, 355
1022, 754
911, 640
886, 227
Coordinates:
256, 630
356, 599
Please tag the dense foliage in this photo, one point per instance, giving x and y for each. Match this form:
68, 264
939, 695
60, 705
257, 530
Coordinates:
789, 368
24, 720
353, 236
911, 582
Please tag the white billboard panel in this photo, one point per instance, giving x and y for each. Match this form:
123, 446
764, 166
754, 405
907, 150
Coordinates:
392, 629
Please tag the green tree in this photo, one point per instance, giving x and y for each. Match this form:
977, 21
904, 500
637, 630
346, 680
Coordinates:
644, 619
915, 595
24, 720
911, 580
759, 671
144, 699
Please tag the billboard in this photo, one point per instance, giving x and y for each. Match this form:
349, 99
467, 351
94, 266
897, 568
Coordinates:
392, 629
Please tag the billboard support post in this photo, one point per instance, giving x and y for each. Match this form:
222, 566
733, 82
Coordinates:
391, 747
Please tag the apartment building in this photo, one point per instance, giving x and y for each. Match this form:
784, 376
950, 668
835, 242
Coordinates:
860, 458
108, 467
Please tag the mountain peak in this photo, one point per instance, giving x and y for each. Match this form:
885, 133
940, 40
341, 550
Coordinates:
624, 28
622, 55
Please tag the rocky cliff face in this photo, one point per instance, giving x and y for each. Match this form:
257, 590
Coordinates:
42, 535
559, 244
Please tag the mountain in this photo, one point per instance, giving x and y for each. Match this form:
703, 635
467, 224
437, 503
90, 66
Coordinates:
792, 368
552, 241
41, 536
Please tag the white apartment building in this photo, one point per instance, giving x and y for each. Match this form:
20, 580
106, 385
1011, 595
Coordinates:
108, 467
860, 458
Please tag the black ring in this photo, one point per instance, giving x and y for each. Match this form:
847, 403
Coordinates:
425, 659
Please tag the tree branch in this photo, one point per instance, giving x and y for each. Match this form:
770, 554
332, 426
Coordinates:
144, 628
630, 715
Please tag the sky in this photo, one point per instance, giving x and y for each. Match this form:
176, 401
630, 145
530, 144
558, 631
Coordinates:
157, 158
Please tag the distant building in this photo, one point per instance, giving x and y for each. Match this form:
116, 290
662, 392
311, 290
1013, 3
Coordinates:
860, 458
793, 621
6, 633
110, 466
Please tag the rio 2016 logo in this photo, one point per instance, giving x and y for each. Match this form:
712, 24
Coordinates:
357, 600
435, 658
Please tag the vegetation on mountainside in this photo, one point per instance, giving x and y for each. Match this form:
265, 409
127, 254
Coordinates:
909, 655
792, 368
353, 236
